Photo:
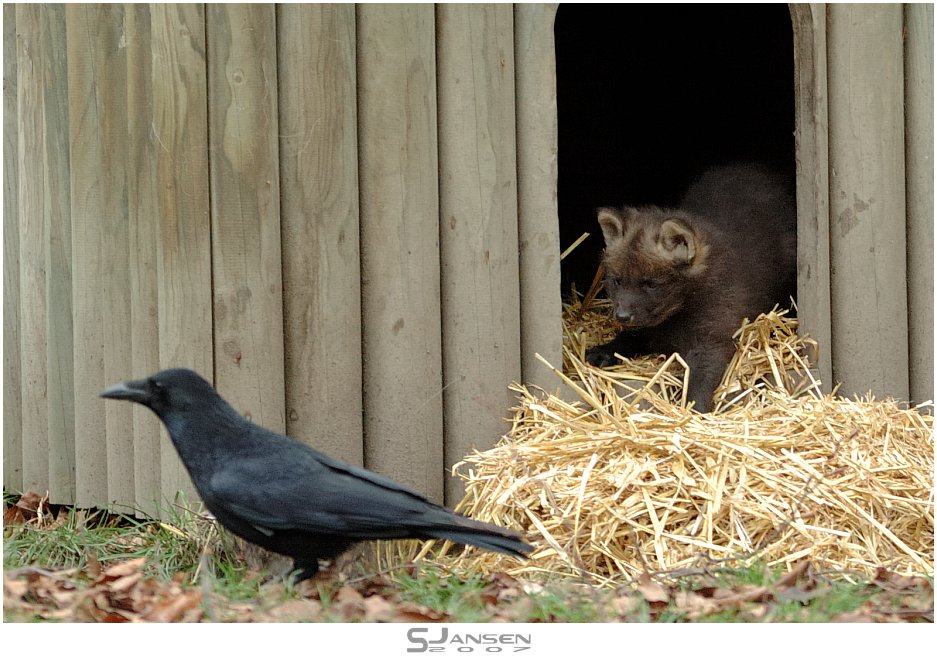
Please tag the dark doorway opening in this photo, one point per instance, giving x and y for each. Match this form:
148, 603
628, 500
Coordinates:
649, 95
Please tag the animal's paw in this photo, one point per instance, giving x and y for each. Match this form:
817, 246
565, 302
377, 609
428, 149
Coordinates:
601, 356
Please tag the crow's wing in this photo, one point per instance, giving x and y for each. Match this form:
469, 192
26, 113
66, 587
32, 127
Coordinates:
300, 489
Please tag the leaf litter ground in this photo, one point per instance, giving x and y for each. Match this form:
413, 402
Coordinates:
126, 589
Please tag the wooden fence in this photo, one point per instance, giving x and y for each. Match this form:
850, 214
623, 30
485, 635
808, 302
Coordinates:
865, 194
330, 211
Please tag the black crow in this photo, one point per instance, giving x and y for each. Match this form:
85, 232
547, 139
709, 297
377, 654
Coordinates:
284, 496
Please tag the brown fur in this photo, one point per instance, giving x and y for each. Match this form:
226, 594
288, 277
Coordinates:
682, 280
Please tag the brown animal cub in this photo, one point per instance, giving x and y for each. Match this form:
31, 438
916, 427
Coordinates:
682, 280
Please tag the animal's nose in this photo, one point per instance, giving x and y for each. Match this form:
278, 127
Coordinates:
624, 316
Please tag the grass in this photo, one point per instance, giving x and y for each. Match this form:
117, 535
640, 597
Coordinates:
192, 553
74, 538
460, 598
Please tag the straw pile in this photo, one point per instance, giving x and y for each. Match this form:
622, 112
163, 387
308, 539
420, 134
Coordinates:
621, 481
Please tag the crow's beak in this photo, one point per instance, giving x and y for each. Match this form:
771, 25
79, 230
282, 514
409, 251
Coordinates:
132, 390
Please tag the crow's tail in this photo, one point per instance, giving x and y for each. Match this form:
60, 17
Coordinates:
479, 534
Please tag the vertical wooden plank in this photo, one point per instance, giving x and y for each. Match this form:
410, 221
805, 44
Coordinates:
111, 48
143, 234
245, 210
319, 225
478, 210
919, 151
400, 244
58, 262
867, 199
44, 249
97, 119
180, 108
12, 381
811, 134
32, 239
538, 221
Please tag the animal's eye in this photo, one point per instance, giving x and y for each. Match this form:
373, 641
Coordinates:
616, 280
650, 285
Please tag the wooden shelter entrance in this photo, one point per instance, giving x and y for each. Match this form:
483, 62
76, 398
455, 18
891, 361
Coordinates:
647, 95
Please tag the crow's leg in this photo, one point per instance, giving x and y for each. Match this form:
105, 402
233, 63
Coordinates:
304, 570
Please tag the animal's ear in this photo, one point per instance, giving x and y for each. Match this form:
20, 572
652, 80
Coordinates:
677, 241
611, 223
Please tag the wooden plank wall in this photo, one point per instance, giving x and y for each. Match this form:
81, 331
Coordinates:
267, 195
865, 194
345, 216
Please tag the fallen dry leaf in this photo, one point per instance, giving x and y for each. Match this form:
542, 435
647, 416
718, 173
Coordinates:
652, 591
31, 504
14, 589
624, 606
92, 565
124, 568
798, 571
741, 593
173, 608
347, 594
501, 588
378, 609
801, 595
409, 612
13, 515
693, 604
294, 610
895, 582
124, 583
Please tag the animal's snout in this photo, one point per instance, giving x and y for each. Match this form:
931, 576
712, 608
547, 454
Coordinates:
625, 316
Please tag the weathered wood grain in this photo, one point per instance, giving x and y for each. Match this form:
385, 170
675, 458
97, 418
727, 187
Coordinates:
811, 136
245, 210
143, 234
12, 372
537, 217
45, 252
184, 273
58, 261
919, 162
30, 63
97, 68
399, 211
867, 199
478, 236
319, 223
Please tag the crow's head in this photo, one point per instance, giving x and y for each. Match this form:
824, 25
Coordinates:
166, 392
